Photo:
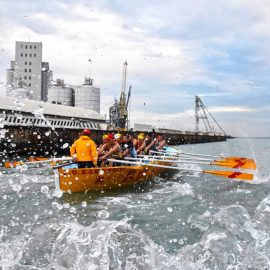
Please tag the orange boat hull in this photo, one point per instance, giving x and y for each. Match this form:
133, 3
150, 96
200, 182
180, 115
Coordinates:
93, 179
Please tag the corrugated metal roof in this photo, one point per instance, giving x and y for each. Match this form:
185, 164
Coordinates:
31, 106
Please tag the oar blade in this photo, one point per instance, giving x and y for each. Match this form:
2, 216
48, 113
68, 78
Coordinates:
232, 175
235, 164
14, 164
239, 159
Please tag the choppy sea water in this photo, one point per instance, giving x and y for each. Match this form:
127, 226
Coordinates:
191, 221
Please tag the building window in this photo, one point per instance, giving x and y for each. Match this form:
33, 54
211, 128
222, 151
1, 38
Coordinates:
30, 46
25, 63
30, 84
21, 46
21, 54
25, 55
35, 47
29, 77
25, 46
30, 63
30, 55
35, 55
25, 70
30, 70
25, 77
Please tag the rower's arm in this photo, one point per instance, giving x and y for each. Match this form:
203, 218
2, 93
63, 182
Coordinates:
161, 145
141, 148
111, 151
150, 145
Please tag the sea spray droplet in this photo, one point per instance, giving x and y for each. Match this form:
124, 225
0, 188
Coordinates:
65, 145
39, 112
103, 214
44, 189
16, 187
84, 204
72, 210
58, 193
66, 205
169, 209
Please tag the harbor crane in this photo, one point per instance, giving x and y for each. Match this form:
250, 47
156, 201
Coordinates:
201, 113
119, 110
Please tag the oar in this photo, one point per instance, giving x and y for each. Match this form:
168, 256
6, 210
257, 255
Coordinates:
226, 174
226, 159
234, 165
202, 155
16, 163
63, 165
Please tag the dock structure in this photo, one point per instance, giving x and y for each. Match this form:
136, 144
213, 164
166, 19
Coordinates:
43, 140
30, 127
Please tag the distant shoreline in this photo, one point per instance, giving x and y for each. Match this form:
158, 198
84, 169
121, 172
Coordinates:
237, 137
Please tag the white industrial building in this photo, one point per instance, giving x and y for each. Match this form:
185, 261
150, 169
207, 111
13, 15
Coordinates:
29, 70
33, 77
87, 96
61, 94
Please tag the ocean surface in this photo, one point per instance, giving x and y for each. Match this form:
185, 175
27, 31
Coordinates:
191, 221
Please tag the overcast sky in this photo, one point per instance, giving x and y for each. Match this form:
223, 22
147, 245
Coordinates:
219, 50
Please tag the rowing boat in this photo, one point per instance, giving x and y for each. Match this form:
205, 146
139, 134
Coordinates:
94, 179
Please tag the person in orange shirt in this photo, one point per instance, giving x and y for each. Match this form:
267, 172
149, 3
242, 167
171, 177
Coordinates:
85, 151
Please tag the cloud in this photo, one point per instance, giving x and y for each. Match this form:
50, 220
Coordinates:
175, 50
230, 109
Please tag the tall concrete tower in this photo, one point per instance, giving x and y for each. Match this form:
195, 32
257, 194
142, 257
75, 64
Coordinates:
29, 69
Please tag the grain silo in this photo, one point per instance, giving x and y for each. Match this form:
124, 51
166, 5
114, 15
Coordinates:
87, 96
60, 94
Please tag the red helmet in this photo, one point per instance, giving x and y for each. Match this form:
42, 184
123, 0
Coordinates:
110, 137
86, 132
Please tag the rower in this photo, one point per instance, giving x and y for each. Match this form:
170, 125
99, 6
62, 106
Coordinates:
102, 149
127, 147
149, 143
112, 149
140, 144
160, 143
84, 151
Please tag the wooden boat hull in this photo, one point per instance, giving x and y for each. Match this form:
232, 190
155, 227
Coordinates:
93, 179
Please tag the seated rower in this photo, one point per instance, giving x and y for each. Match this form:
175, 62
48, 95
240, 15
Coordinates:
102, 149
160, 143
140, 144
112, 149
149, 143
84, 151
127, 146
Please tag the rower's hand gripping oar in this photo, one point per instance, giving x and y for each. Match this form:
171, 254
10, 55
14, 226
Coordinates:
226, 174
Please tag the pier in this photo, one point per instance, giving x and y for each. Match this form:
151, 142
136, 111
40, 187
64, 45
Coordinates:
36, 141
